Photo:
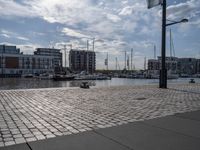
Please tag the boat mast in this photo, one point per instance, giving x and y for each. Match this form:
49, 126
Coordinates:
107, 61
145, 63
87, 56
154, 51
125, 61
116, 63
170, 43
65, 53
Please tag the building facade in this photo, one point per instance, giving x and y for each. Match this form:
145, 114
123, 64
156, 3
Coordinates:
80, 60
189, 66
55, 53
171, 64
13, 63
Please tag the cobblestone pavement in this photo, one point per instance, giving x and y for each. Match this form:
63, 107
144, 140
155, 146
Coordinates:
30, 115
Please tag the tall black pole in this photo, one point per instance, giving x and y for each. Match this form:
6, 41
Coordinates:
163, 72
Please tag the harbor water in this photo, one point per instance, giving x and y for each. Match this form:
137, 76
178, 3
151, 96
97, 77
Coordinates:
32, 83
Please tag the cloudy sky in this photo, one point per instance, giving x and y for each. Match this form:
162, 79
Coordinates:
116, 25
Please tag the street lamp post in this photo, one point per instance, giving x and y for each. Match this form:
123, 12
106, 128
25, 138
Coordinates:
163, 71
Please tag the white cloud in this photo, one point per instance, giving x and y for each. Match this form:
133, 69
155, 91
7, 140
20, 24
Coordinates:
73, 33
22, 38
28, 48
11, 8
126, 11
5, 35
113, 18
9, 34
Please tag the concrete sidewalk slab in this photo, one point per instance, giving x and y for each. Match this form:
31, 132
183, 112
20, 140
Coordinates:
195, 115
82, 141
23, 146
176, 124
140, 136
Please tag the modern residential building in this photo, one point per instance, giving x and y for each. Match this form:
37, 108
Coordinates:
153, 64
189, 66
198, 66
56, 53
171, 64
81, 60
13, 63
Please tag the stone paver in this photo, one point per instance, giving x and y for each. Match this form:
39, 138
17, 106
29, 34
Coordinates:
29, 115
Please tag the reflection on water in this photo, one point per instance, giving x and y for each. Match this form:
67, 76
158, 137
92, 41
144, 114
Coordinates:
25, 83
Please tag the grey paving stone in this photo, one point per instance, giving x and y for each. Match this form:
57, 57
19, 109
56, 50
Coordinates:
71, 111
40, 137
1, 144
9, 143
17, 136
31, 139
20, 140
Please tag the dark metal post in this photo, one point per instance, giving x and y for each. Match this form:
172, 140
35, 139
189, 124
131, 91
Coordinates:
163, 72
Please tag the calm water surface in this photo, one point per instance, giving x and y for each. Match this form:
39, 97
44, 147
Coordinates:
24, 83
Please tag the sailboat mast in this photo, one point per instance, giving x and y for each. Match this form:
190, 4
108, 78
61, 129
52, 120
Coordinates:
125, 61
116, 63
131, 59
170, 43
107, 61
87, 56
154, 51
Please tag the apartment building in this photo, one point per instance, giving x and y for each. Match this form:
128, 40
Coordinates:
13, 63
81, 60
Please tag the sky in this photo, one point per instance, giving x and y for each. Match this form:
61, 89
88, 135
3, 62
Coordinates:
116, 25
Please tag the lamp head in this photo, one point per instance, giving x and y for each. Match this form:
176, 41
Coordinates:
184, 20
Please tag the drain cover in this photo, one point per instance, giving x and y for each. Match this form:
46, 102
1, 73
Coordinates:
140, 98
